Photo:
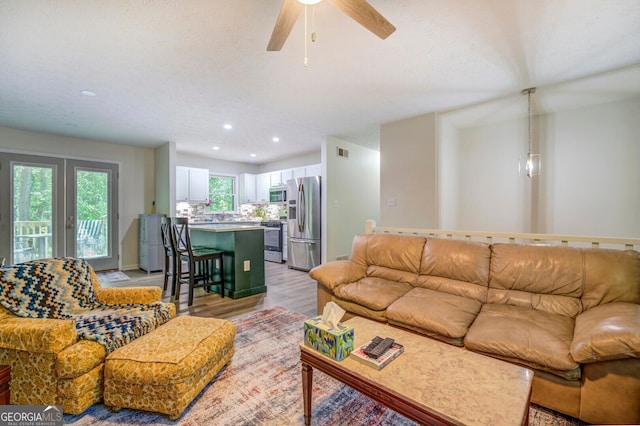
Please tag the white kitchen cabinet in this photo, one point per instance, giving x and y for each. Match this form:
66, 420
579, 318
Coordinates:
298, 172
198, 185
275, 179
263, 182
286, 175
247, 188
182, 184
192, 184
313, 170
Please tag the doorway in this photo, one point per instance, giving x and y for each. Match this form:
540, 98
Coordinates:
55, 207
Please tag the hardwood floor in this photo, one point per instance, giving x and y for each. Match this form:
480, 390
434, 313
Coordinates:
286, 287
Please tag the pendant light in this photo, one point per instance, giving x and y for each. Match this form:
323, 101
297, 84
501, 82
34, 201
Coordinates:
532, 162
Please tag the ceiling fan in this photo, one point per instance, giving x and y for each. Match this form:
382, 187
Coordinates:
359, 10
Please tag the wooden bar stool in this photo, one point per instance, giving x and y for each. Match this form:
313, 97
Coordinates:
205, 263
170, 259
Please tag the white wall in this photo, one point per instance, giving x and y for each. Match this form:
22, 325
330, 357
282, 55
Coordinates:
165, 179
350, 195
589, 184
217, 166
408, 172
236, 168
596, 171
136, 183
448, 176
491, 194
292, 162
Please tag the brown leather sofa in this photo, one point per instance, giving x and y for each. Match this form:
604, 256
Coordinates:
572, 315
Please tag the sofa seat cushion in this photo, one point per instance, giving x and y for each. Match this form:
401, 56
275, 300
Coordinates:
448, 285
533, 338
360, 310
436, 314
373, 293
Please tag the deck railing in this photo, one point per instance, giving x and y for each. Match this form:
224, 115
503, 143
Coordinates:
34, 239
31, 240
523, 238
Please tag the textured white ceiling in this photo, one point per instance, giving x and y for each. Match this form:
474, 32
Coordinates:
177, 70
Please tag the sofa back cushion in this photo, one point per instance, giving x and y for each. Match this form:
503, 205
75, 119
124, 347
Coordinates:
545, 278
394, 257
456, 267
610, 276
359, 249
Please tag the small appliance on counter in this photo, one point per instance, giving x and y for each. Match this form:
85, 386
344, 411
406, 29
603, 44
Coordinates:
303, 227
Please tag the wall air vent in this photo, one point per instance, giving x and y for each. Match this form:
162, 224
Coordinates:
341, 152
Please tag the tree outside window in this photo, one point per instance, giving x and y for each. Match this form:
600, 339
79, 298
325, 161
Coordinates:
221, 193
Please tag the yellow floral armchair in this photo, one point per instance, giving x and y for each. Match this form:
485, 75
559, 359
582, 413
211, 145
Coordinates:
51, 362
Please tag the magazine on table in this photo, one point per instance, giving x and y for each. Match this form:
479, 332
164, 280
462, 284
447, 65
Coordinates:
383, 360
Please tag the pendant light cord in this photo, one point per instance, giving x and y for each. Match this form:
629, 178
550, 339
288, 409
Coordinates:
529, 115
306, 62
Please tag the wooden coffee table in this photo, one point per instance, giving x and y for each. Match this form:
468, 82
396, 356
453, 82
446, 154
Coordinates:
431, 382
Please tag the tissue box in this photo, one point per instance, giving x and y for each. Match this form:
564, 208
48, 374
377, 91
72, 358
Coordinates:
336, 343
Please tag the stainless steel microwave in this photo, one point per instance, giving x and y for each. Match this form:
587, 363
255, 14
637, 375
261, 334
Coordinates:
278, 194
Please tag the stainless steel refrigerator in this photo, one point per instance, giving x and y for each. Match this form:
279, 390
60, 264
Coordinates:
303, 227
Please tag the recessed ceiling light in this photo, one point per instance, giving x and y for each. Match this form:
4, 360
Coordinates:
228, 126
253, 155
88, 93
216, 148
276, 139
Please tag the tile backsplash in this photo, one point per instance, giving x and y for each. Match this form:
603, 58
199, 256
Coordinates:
246, 212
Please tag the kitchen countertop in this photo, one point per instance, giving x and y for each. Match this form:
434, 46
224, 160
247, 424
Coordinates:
225, 227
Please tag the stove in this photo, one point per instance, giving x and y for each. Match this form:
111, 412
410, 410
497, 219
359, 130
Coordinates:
273, 243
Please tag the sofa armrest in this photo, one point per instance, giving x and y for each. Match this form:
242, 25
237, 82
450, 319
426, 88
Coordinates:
607, 332
122, 295
337, 272
40, 335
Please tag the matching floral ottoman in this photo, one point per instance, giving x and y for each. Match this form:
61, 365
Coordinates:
164, 370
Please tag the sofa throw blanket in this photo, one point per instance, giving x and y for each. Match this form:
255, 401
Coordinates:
62, 288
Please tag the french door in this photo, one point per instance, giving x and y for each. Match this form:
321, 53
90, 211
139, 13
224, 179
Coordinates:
52, 207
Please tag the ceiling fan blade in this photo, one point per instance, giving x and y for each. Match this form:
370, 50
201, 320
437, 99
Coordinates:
363, 13
288, 15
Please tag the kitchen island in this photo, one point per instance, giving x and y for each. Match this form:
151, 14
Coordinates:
243, 258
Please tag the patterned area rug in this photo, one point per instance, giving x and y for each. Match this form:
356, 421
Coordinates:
263, 386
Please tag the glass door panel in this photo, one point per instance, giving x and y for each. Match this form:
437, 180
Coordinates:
31, 216
92, 212
92, 209
33, 212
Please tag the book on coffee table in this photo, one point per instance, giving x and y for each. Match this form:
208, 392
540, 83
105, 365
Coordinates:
383, 360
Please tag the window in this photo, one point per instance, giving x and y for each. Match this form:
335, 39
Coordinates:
222, 196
